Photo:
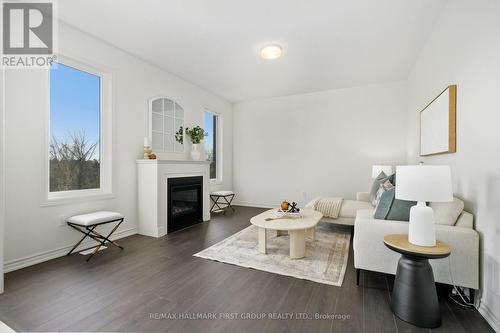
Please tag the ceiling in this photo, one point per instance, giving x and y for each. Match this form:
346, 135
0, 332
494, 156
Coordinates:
327, 44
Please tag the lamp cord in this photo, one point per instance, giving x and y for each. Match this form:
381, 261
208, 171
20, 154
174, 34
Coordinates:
464, 303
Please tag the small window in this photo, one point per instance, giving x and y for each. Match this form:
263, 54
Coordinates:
212, 124
75, 113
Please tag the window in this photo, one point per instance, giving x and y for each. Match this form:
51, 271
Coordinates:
77, 137
212, 125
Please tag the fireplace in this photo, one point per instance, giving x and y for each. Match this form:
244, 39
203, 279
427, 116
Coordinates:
185, 202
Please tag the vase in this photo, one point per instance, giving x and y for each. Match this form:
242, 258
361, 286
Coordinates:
195, 152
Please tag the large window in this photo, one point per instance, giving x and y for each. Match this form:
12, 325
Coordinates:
75, 162
212, 124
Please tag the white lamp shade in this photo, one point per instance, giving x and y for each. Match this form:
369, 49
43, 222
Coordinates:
377, 169
431, 183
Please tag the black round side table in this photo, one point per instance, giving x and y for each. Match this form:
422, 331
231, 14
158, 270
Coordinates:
414, 297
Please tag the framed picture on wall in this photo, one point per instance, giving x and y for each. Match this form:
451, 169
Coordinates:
438, 124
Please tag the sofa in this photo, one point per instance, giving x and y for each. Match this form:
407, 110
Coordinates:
348, 210
461, 268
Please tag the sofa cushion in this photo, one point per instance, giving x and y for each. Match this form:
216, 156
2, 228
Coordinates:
390, 208
350, 207
447, 213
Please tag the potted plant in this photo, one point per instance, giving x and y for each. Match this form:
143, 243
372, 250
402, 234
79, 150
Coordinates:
196, 135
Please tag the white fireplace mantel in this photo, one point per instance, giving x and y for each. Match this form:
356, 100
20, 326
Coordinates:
152, 178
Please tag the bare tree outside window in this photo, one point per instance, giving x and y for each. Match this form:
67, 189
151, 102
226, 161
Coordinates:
75, 105
74, 163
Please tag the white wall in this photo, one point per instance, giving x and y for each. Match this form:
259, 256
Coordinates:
464, 49
34, 232
325, 143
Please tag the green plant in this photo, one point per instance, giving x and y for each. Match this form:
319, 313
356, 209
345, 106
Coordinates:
196, 134
179, 136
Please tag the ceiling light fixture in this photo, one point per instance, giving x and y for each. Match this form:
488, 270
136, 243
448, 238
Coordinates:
271, 52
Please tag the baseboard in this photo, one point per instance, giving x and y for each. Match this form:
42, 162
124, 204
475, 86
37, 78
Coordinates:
253, 204
62, 251
490, 317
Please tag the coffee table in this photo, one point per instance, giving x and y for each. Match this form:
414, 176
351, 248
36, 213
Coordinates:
296, 228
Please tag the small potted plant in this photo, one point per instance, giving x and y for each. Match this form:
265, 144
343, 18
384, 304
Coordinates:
196, 135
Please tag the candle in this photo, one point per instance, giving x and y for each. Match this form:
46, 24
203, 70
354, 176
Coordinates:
146, 141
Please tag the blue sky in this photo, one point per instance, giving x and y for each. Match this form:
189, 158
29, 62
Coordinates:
209, 125
74, 103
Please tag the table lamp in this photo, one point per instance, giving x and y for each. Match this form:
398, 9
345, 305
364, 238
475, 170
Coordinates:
377, 169
429, 183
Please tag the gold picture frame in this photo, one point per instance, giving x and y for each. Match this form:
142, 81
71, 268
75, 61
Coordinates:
438, 122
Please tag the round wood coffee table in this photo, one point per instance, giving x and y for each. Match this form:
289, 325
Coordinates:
296, 228
414, 298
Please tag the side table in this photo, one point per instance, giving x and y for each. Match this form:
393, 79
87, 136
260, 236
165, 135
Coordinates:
414, 297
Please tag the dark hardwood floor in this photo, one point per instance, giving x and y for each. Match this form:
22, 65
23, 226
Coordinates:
134, 290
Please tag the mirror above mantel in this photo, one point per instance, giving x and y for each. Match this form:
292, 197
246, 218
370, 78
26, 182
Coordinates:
166, 125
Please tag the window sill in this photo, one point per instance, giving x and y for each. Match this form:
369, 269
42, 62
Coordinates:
75, 198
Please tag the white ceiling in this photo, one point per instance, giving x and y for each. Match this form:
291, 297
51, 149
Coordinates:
327, 44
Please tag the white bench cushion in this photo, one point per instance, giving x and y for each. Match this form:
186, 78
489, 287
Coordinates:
94, 218
222, 193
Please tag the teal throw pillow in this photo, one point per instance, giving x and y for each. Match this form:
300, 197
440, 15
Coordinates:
390, 208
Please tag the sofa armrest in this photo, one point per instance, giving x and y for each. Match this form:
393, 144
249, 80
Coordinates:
311, 203
465, 220
460, 268
363, 196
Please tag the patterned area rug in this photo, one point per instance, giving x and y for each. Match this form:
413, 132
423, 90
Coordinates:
325, 260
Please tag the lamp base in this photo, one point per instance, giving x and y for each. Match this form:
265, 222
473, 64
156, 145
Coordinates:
422, 230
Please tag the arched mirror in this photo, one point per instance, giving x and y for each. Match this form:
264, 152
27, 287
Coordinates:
166, 125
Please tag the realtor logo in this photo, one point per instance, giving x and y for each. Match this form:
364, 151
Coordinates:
28, 29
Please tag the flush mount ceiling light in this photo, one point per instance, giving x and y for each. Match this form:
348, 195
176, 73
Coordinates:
271, 52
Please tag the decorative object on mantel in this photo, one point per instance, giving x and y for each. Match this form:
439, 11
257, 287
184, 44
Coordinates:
438, 124
166, 123
148, 152
196, 135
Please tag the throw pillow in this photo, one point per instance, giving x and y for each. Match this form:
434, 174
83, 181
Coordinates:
381, 178
382, 188
390, 208
447, 213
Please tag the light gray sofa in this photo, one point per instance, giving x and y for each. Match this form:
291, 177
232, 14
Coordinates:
348, 210
461, 268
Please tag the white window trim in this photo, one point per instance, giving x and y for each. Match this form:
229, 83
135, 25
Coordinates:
218, 138
105, 145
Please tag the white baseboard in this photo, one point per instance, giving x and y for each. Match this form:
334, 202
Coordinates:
253, 204
55, 253
490, 316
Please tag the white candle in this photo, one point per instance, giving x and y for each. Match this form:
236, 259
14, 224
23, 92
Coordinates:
146, 141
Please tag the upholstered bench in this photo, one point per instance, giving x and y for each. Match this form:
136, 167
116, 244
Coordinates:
217, 196
87, 223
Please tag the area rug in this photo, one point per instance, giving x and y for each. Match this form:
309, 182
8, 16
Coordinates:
325, 260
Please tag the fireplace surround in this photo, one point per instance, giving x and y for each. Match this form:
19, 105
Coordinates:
153, 177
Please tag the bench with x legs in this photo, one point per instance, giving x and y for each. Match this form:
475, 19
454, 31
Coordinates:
221, 200
87, 223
